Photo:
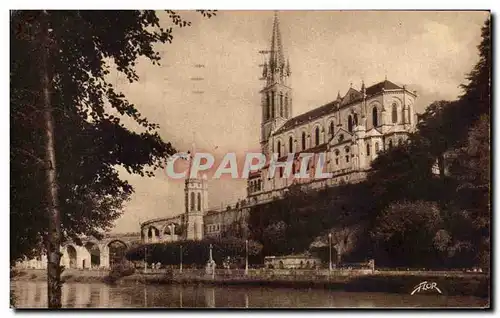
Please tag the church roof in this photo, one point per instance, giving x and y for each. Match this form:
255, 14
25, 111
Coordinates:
377, 88
306, 117
330, 107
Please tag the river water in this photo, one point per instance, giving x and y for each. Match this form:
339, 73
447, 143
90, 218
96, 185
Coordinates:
31, 294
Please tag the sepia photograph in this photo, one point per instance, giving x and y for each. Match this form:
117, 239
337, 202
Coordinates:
250, 159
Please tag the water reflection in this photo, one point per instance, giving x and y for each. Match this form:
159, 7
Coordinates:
31, 294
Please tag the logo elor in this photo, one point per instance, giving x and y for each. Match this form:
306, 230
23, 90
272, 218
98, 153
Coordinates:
424, 286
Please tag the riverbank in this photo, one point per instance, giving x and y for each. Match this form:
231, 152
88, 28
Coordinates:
449, 283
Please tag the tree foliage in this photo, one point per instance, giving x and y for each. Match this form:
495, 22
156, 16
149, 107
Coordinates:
406, 231
91, 139
452, 136
290, 225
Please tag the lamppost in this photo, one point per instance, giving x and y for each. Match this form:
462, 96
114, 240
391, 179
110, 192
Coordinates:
180, 267
246, 257
330, 249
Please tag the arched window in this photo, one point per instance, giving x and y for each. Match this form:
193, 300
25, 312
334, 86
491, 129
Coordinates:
281, 105
273, 114
347, 154
400, 142
349, 123
376, 147
192, 201
355, 120
375, 117
330, 130
367, 149
316, 136
290, 144
268, 106
303, 140
390, 143
394, 113
199, 201
279, 149
337, 153
286, 106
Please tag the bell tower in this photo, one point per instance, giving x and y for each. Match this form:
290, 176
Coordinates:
276, 96
195, 203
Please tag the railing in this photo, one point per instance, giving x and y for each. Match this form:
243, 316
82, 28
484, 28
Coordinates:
260, 273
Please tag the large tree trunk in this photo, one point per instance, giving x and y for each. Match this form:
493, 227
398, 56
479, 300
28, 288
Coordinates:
53, 240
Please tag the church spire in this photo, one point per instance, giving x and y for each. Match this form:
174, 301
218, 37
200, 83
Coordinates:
278, 67
276, 96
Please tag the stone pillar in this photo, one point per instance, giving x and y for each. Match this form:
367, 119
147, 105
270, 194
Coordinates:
65, 257
85, 257
199, 229
172, 231
104, 257
80, 256
153, 236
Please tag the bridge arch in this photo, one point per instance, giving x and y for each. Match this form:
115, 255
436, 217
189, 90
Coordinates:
72, 253
153, 234
117, 249
171, 231
94, 255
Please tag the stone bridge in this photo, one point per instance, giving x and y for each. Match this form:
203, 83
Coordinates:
163, 229
92, 254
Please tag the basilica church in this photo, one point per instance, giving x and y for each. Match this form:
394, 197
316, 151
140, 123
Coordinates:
350, 131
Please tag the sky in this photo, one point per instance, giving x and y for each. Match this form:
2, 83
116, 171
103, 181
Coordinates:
429, 51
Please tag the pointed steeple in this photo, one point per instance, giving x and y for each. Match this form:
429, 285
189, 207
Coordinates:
277, 56
339, 98
277, 64
276, 95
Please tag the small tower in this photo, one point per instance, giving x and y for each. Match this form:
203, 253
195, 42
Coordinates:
277, 94
196, 205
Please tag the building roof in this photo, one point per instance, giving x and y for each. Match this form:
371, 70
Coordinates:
377, 88
330, 107
310, 115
